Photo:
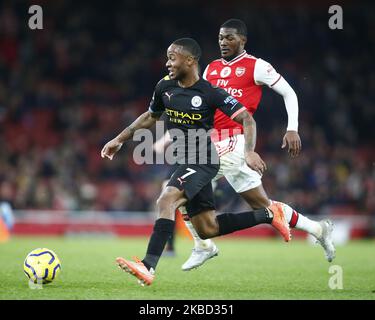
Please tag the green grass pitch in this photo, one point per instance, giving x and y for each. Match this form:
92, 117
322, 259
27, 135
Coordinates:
245, 269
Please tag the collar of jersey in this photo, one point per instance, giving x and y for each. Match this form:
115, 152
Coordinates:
240, 56
200, 78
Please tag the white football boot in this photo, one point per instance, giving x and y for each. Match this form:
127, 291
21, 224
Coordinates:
325, 240
200, 256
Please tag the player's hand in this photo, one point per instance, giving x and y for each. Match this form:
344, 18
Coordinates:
293, 141
111, 148
255, 162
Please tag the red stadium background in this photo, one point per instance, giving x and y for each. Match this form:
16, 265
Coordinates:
66, 89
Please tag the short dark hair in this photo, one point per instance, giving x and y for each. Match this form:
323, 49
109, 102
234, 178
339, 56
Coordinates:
237, 24
191, 46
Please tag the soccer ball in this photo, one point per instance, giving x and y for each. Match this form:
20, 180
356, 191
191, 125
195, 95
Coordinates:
42, 266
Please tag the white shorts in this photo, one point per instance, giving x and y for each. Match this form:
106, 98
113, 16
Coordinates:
233, 166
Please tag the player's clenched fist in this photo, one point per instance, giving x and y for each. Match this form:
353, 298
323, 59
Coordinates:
255, 162
111, 148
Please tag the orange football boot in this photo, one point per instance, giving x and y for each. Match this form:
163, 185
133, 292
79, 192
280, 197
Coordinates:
137, 269
279, 221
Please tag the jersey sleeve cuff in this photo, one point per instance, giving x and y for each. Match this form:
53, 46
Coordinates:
237, 112
155, 112
292, 127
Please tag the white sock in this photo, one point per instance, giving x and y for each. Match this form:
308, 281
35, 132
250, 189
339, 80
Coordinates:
303, 223
198, 242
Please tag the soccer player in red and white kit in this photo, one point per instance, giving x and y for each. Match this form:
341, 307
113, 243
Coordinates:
243, 76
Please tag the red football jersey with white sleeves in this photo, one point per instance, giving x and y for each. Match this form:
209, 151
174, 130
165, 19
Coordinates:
242, 78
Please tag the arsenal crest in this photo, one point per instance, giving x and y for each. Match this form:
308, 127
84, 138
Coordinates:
240, 71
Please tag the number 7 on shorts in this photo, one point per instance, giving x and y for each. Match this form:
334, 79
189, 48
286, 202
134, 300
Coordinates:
190, 171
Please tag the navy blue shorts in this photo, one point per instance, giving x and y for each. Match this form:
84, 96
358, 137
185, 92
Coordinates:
195, 181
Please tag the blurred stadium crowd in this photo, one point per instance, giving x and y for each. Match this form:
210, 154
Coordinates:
65, 90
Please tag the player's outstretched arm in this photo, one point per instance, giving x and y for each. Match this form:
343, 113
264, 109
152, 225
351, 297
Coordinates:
253, 160
265, 74
144, 121
291, 137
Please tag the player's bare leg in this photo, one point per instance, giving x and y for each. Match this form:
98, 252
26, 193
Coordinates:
322, 231
256, 198
203, 249
198, 242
